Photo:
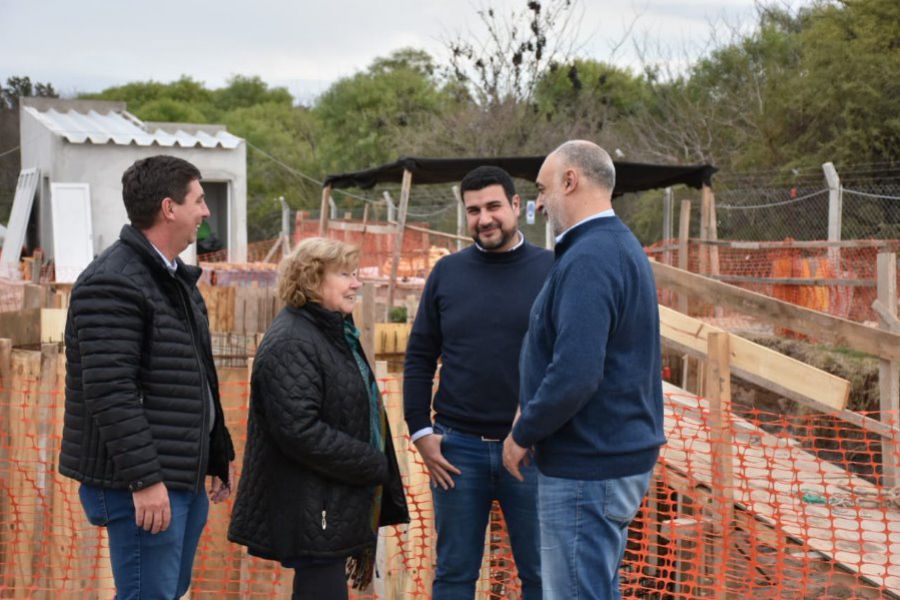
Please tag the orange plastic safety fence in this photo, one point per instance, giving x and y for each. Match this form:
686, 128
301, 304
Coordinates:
756, 503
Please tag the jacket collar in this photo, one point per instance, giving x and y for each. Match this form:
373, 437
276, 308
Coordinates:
580, 231
133, 237
329, 321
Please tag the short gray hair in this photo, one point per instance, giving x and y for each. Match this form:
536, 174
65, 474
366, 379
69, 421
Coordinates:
589, 158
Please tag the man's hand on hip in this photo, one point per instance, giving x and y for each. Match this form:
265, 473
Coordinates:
513, 456
151, 508
439, 468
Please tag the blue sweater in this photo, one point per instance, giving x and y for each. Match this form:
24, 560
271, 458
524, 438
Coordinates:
473, 314
591, 388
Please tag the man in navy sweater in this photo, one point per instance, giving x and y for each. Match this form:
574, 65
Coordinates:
591, 391
473, 315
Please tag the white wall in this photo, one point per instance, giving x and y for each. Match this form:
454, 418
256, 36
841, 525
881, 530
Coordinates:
102, 166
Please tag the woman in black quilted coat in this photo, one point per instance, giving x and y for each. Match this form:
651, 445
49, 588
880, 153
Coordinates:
319, 475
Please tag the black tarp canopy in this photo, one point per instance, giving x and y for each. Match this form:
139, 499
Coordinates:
630, 177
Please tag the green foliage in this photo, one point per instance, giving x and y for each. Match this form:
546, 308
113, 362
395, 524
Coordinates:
587, 87
363, 118
245, 92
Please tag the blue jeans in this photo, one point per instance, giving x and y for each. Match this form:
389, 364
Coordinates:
461, 516
148, 566
584, 529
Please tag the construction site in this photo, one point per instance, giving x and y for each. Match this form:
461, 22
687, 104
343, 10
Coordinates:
780, 478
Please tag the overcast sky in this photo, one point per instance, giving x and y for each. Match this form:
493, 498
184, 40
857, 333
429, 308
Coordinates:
87, 45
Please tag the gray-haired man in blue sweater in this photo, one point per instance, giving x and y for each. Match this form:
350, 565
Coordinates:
590, 386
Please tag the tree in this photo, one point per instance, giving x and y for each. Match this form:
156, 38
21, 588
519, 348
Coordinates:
514, 52
364, 118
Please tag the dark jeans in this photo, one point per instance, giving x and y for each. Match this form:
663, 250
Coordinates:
146, 565
461, 516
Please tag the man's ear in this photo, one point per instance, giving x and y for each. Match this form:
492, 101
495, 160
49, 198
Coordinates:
166, 207
516, 202
570, 181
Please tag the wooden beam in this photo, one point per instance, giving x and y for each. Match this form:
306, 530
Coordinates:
793, 280
889, 371
405, 188
23, 327
718, 391
362, 227
742, 245
704, 231
450, 236
761, 363
712, 230
323, 215
832, 330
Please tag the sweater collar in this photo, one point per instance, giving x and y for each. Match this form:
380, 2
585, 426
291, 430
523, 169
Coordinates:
133, 237
511, 255
576, 233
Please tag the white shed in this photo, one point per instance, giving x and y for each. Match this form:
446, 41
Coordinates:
92, 142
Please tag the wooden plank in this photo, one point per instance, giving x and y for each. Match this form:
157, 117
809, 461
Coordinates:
768, 475
35, 296
449, 236
363, 227
794, 280
718, 390
713, 231
26, 372
830, 329
743, 245
23, 327
889, 370
759, 361
704, 231
53, 324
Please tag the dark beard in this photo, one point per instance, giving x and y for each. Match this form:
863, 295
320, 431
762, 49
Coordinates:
501, 241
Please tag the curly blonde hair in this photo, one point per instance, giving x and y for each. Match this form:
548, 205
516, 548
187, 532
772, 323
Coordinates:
300, 273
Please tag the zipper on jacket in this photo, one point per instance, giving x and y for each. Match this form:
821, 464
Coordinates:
205, 394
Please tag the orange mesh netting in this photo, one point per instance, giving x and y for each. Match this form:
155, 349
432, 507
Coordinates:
803, 509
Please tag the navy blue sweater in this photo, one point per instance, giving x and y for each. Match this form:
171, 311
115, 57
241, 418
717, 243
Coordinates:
473, 314
590, 366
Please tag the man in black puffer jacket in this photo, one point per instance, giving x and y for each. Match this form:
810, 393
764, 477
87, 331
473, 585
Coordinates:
143, 423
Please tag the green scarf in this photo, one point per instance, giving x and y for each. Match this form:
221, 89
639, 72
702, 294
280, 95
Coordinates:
361, 568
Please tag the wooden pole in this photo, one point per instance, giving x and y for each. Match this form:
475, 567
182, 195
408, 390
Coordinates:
405, 188
667, 232
367, 326
705, 202
718, 392
712, 230
889, 371
323, 215
684, 232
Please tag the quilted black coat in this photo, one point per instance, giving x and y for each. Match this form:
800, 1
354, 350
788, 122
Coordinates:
310, 469
139, 370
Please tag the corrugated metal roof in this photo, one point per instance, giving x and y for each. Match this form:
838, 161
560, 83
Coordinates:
123, 128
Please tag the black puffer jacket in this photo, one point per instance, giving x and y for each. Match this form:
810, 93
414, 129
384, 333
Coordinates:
139, 369
310, 469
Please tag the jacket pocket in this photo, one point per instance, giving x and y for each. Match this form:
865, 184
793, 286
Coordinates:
93, 501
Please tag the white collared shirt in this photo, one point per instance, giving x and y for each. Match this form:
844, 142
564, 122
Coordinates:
600, 215
171, 266
516, 247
